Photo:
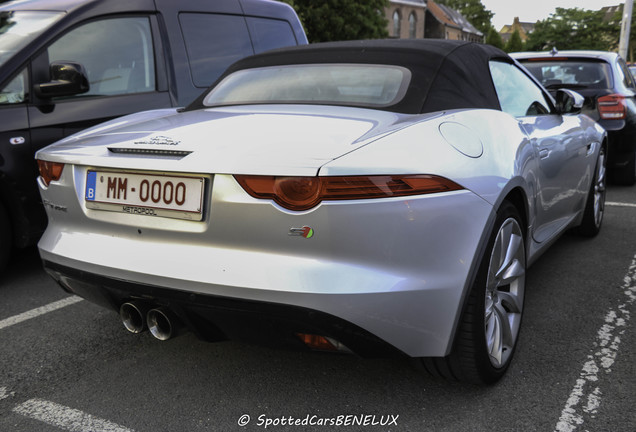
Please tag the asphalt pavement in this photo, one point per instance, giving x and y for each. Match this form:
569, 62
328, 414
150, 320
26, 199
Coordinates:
68, 365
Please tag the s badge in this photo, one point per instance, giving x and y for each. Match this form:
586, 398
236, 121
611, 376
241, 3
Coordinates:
306, 232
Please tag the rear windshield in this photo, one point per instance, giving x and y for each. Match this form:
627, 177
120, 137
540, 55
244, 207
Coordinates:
364, 85
571, 73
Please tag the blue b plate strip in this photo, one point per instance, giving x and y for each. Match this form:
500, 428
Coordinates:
91, 178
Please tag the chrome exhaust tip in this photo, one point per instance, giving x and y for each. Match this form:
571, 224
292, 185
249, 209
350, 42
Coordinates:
133, 316
162, 323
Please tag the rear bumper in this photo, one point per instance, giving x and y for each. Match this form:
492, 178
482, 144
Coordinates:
397, 269
215, 318
612, 125
374, 311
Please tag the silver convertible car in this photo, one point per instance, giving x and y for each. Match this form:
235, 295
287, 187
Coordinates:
370, 197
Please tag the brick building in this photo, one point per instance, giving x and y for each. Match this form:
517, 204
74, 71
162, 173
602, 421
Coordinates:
427, 19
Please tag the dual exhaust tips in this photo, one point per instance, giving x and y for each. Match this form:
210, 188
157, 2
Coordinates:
161, 322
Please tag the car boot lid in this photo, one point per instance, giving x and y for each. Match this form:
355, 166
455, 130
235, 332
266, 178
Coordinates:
261, 140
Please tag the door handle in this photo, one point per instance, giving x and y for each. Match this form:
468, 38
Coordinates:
544, 153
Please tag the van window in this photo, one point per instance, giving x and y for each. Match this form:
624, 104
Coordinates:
213, 42
16, 91
117, 54
270, 34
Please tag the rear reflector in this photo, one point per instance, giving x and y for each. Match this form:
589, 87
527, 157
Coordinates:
322, 343
612, 107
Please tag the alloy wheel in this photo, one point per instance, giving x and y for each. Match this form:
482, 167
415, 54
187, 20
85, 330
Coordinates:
599, 189
505, 289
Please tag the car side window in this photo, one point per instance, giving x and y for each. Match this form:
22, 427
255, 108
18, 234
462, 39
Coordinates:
518, 95
15, 91
627, 77
117, 54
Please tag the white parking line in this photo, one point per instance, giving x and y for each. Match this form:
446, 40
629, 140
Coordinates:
4, 393
619, 204
66, 418
33, 313
585, 397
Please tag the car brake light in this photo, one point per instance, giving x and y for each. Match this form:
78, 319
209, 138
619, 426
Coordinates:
545, 59
612, 107
50, 171
303, 193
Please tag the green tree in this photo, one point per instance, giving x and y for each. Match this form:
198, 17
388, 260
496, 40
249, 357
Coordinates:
494, 38
333, 20
514, 43
573, 29
474, 11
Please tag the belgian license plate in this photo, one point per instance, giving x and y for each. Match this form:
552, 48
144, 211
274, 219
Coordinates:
170, 196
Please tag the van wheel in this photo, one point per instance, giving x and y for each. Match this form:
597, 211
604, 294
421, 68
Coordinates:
5, 237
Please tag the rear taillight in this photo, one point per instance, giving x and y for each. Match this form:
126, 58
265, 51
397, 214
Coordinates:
303, 193
612, 107
50, 171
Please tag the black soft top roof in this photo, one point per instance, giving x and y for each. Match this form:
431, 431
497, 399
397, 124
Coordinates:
445, 74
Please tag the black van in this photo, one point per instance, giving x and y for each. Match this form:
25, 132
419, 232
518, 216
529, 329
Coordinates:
66, 65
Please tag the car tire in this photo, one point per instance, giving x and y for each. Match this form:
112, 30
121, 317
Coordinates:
489, 326
5, 237
626, 175
595, 204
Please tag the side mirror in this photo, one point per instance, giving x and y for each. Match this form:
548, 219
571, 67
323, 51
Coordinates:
67, 79
568, 101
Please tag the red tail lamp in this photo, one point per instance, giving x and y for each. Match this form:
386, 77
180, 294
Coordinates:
50, 171
304, 193
612, 107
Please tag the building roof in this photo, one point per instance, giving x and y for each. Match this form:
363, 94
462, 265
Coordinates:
451, 18
438, 13
610, 13
417, 3
522, 27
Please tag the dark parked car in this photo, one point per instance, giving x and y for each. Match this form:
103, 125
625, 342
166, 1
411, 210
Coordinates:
66, 65
605, 81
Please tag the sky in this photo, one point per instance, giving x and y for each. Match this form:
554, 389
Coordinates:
535, 10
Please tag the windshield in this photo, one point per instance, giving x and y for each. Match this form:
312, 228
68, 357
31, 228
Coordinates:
571, 73
18, 28
363, 85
